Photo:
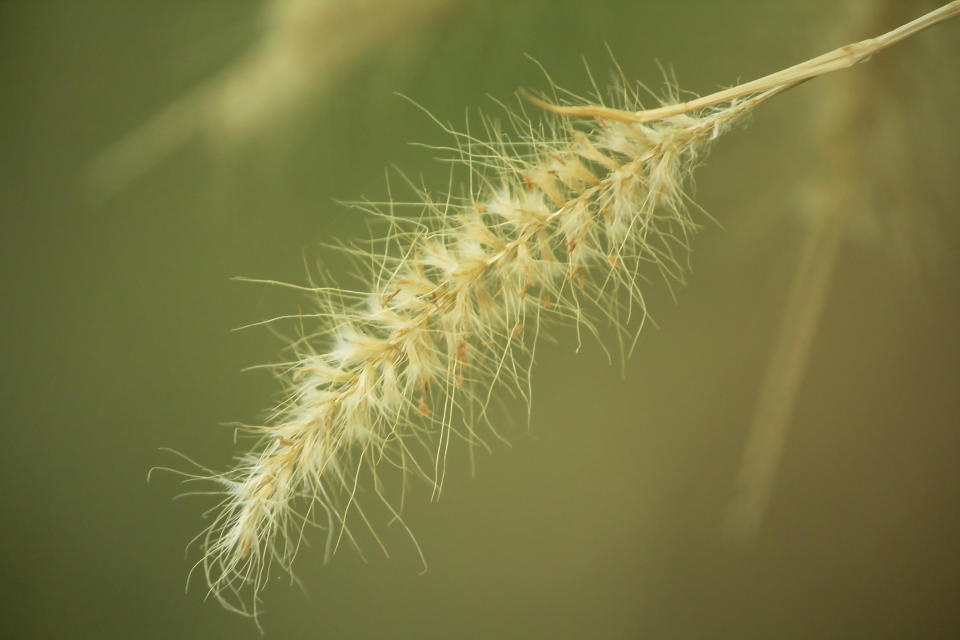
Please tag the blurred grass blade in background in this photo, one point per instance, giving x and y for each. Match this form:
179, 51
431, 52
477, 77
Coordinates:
307, 46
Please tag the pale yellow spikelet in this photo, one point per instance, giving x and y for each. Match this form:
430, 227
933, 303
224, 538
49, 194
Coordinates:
561, 221
566, 222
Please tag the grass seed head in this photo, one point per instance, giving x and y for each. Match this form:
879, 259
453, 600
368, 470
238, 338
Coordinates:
570, 217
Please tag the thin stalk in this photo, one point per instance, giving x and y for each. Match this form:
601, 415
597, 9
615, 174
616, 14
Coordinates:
841, 58
771, 420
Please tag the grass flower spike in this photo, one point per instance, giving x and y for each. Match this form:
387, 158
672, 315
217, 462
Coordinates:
566, 220
563, 219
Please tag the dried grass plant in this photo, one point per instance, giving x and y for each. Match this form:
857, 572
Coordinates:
305, 47
859, 193
560, 219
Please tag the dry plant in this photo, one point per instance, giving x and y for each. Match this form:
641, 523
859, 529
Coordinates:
860, 190
559, 219
306, 46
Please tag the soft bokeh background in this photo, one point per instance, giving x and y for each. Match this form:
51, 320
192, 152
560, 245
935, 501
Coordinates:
605, 519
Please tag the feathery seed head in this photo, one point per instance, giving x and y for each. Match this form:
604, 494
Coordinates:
561, 222
569, 217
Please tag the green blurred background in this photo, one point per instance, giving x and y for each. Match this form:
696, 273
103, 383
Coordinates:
605, 518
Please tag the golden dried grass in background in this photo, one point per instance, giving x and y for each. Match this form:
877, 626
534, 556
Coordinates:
306, 47
879, 173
